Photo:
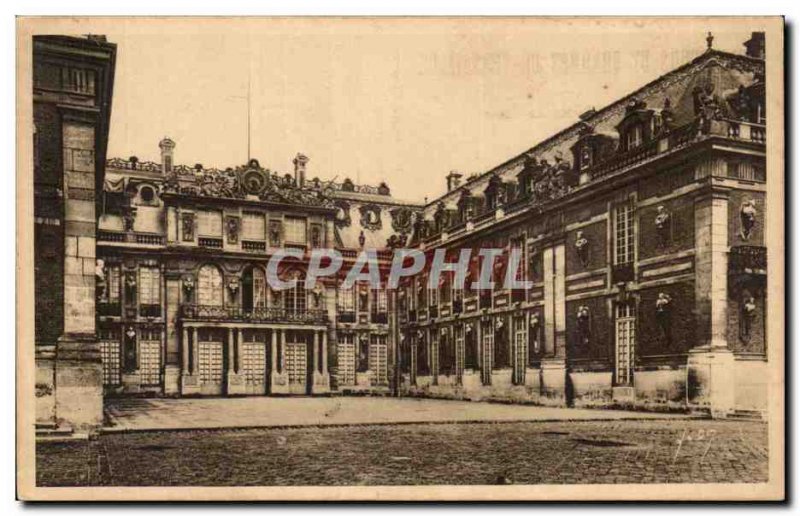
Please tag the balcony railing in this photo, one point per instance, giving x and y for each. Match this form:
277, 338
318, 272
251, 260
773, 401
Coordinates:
252, 246
214, 243
257, 315
138, 238
748, 259
149, 238
110, 236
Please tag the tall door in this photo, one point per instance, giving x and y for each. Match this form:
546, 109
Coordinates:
487, 352
210, 362
520, 348
346, 354
254, 362
625, 343
297, 364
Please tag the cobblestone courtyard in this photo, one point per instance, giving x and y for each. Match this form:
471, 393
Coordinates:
621, 451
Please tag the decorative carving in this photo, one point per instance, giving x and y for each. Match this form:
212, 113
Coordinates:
662, 223
275, 233
747, 214
342, 214
100, 279
582, 248
535, 332
397, 241
188, 286
254, 181
748, 314
707, 105
347, 185
663, 315
317, 297
129, 355
402, 219
371, 217
583, 324
187, 226
232, 228
128, 218
362, 239
233, 286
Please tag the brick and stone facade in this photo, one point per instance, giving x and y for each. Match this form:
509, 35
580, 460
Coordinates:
642, 228
185, 309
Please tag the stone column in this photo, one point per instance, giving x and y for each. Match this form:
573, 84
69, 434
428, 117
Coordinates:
325, 353
231, 353
320, 375
280, 380
236, 384
711, 365
173, 347
239, 350
185, 351
195, 352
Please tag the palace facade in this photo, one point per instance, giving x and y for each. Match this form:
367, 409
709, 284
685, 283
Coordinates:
184, 307
641, 228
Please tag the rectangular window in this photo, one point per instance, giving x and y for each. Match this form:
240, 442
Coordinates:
345, 301
113, 283
209, 223
623, 234
379, 301
295, 230
149, 286
254, 226
634, 137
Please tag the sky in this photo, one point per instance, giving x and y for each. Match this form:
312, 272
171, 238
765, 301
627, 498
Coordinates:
400, 101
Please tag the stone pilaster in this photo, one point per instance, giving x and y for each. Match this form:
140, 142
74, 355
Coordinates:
78, 368
710, 368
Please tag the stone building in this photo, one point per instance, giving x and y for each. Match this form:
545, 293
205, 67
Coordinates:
184, 307
73, 78
642, 230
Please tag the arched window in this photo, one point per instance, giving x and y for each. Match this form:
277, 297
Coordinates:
295, 298
209, 286
254, 289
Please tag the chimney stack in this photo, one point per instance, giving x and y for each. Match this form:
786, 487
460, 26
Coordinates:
453, 180
755, 46
300, 169
167, 146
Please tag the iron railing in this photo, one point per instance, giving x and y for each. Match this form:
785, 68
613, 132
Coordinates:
260, 314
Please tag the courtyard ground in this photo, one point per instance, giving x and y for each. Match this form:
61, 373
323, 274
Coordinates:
132, 414
524, 445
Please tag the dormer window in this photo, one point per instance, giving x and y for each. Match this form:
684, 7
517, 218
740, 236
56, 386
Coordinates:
586, 157
634, 137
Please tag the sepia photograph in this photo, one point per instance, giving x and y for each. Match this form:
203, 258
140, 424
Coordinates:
400, 258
